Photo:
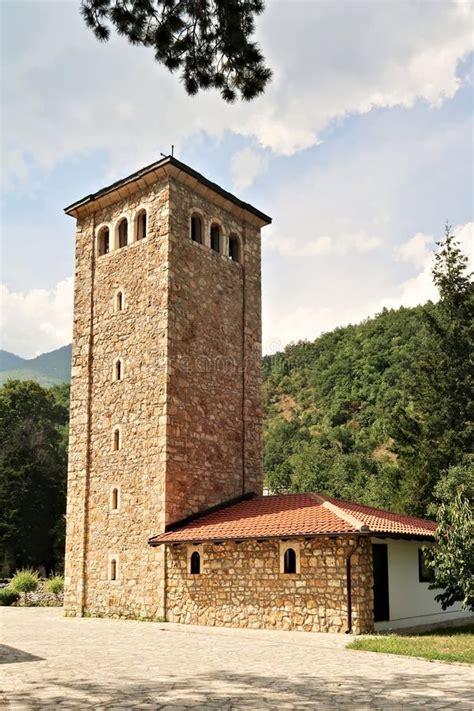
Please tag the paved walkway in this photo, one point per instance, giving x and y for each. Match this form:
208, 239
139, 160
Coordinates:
51, 662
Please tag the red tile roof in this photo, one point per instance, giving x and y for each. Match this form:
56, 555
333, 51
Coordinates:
294, 515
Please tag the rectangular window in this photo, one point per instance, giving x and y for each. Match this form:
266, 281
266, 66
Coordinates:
425, 574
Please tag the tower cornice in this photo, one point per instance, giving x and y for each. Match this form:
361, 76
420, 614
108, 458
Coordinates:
171, 167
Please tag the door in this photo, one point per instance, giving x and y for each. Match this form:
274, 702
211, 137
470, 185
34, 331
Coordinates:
380, 558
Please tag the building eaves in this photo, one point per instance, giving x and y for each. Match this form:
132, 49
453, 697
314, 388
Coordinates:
168, 165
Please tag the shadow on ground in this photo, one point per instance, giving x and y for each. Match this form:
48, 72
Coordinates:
226, 691
10, 655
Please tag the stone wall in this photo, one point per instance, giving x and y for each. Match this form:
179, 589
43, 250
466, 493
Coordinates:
137, 335
214, 354
241, 585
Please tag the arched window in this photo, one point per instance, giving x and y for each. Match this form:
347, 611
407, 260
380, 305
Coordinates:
113, 569
215, 237
234, 248
118, 369
196, 228
114, 499
123, 233
140, 225
103, 241
119, 300
290, 561
117, 440
195, 563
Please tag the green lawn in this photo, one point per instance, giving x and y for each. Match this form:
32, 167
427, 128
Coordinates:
455, 644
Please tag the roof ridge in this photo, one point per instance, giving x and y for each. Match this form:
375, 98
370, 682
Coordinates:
347, 517
379, 510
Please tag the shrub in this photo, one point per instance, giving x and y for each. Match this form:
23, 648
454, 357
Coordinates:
25, 581
55, 585
8, 596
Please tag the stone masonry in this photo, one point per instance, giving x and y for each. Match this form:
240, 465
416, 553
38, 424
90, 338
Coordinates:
188, 404
240, 585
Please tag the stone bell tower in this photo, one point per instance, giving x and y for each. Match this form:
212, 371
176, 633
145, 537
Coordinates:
166, 390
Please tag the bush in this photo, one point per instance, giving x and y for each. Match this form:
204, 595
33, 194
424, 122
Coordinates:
8, 597
55, 585
25, 581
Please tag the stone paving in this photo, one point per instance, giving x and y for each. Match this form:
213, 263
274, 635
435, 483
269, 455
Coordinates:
52, 662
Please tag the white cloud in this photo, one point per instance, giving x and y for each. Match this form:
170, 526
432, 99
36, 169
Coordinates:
36, 321
420, 288
283, 325
416, 250
339, 244
68, 95
246, 165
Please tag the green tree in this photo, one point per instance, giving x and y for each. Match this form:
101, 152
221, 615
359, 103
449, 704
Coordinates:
33, 465
432, 424
452, 558
209, 41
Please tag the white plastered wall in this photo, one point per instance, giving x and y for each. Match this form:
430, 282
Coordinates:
411, 602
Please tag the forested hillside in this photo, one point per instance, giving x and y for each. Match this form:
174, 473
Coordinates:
379, 411
328, 408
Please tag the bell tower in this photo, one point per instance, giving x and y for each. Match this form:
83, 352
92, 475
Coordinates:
166, 389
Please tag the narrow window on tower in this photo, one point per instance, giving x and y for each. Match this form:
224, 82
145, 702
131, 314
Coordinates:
196, 228
140, 225
119, 303
114, 499
122, 233
118, 370
103, 241
113, 569
234, 248
215, 237
117, 440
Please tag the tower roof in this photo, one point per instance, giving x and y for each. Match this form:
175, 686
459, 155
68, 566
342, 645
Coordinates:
148, 175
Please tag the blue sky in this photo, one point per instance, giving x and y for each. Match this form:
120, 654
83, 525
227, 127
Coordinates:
360, 150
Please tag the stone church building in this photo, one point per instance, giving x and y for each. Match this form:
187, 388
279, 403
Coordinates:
165, 513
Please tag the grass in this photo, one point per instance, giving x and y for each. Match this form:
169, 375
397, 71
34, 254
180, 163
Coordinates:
454, 644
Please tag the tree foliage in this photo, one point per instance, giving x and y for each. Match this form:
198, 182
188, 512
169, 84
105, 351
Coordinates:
452, 559
432, 427
377, 412
209, 41
33, 465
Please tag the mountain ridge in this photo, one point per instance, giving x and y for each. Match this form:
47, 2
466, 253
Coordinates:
51, 368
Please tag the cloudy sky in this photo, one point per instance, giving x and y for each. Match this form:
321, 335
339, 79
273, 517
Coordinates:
361, 149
